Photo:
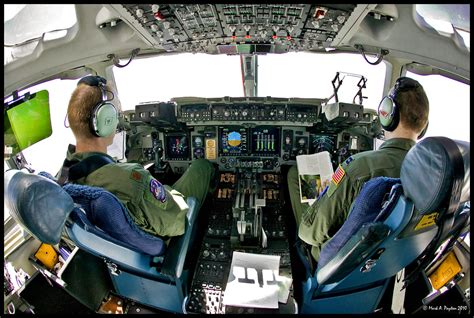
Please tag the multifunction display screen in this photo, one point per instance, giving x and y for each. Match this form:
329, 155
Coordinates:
233, 141
266, 140
177, 147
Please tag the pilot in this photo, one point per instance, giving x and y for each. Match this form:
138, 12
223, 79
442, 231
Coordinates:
404, 117
158, 209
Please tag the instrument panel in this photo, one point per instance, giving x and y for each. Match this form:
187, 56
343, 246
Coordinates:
261, 133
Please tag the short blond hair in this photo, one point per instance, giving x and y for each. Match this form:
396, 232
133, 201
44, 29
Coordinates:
83, 100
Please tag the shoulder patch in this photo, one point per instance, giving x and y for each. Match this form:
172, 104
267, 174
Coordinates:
135, 175
338, 175
158, 190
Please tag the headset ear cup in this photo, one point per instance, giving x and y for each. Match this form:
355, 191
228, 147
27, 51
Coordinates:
104, 120
395, 119
388, 114
93, 120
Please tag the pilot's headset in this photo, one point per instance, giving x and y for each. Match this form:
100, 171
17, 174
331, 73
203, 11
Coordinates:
389, 111
104, 117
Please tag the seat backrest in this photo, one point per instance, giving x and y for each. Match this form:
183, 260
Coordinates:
37, 204
366, 208
105, 211
436, 178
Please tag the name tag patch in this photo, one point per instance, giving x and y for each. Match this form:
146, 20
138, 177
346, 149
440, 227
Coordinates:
135, 175
158, 190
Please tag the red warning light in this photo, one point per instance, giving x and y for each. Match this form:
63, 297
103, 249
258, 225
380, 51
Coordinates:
158, 15
319, 13
247, 36
288, 37
274, 36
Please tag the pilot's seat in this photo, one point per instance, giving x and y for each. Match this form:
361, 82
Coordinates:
394, 222
142, 267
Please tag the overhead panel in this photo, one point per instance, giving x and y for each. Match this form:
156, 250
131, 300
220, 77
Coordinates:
237, 28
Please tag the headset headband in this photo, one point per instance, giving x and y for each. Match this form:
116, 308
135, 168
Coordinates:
93, 80
403, 84
96, 80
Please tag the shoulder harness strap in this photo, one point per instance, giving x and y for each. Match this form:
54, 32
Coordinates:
74, 170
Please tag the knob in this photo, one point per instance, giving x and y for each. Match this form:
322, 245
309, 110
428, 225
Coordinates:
226, 113
244, 113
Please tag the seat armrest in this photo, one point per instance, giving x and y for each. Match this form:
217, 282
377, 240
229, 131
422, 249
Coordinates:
178, 247
351, 255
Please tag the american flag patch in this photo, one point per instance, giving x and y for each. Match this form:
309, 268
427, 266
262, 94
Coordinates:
338, 175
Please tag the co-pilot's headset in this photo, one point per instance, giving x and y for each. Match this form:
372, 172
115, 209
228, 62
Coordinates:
104, 116
389, 111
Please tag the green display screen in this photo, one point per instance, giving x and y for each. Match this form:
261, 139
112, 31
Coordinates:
27, 121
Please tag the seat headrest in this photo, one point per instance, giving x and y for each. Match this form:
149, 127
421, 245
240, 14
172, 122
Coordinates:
37, 204
435, 169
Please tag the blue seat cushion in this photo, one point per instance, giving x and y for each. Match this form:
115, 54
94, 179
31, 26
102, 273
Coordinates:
105, 211
365, 209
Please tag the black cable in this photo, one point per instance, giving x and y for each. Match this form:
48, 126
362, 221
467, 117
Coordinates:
116, 61
380, 55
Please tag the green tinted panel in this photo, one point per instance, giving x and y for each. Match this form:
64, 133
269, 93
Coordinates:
245, 48
28, 122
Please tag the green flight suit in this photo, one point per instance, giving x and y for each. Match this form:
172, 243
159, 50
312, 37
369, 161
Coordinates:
156, 208
319, 222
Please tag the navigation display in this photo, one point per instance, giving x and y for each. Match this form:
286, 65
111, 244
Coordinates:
233, 141
266, 140
177, 147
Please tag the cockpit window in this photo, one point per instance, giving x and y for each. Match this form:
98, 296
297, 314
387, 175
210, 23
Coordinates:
309, 75
449, 106
25, 25
164, 77
447, 19
304, 75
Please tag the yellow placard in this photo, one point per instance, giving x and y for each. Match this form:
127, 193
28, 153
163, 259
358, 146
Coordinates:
211, 153
47, 255
445, 272
426, 221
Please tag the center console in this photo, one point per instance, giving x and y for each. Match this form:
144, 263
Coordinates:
247, 216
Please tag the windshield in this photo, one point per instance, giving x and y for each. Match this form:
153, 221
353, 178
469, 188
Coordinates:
304, 75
